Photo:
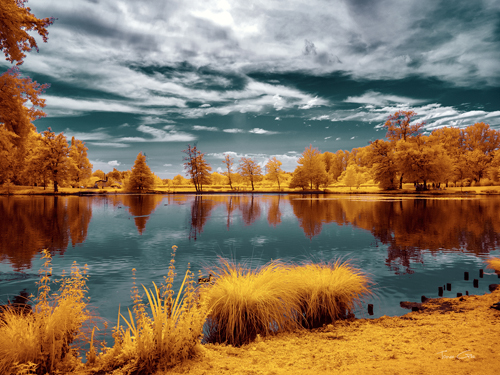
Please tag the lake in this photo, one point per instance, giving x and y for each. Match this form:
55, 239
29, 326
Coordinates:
408, 245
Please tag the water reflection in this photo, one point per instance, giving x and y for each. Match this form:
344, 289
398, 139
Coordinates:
30, 224
139, 206
405, 226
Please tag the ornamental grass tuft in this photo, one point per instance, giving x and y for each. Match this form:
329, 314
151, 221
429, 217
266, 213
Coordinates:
245, 302
276, 297
329, 291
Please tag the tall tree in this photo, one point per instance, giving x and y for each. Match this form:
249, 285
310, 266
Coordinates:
197, 167
422, 161
54, 153
80, 167
314, 167
249, 170
399, 127
383, 164
274, 170
228, 161
141, 177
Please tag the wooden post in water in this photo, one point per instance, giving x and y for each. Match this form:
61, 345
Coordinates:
459, 294
448, 287
466, 292
481, 273
466, 275
423, 299
476, 283
370, 309
440, 291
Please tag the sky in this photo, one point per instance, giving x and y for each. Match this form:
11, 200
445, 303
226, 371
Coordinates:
259, 78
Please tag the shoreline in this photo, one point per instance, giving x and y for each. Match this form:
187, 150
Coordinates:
449, 335
480, 190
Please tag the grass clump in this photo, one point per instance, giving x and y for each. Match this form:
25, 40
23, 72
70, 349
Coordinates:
40, 342
244, 302
494, 264
329, 291
168, 334
277, 297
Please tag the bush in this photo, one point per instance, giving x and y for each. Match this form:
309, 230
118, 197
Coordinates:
41, 341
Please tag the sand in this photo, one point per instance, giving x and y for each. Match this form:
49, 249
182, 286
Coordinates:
449, 336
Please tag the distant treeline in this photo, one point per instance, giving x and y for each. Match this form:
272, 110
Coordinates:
446, 155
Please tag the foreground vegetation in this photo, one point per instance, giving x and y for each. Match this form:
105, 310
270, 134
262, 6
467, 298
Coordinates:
238, 307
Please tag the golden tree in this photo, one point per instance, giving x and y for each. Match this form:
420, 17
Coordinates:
80, 167
197, 167
313, 167
399, 127
228, 162
16, 118
141, 177
249, 170
274, 170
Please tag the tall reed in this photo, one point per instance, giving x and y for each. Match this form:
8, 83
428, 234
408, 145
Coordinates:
161, 334
40, 342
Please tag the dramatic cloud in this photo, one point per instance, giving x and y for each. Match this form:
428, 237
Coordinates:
127, 75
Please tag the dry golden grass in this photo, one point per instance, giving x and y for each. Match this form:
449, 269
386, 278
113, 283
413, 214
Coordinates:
170, 334
494, 264
244, 303
40, 342
328, 291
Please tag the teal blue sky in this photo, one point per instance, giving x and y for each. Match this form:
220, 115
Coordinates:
259, 78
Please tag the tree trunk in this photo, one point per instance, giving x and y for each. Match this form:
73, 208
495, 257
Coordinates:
401, 182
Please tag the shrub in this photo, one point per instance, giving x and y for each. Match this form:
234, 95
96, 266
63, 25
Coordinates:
41, 341
170, 335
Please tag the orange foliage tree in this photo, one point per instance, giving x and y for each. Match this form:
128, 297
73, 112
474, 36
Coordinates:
312, 167
250, 170
141, 177
197, 167
80, 167
16, 20
399, 127
274, 170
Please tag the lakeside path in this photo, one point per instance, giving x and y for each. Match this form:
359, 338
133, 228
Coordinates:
450, 336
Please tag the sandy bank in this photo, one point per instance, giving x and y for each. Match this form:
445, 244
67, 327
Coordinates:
450, 336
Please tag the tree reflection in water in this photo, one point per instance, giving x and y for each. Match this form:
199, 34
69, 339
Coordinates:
405, 225
30, 224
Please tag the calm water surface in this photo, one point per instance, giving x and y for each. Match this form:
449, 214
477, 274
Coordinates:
410, 246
